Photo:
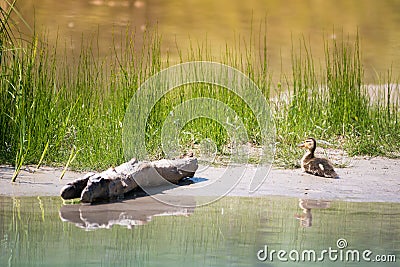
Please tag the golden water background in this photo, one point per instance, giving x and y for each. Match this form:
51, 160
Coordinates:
222, 23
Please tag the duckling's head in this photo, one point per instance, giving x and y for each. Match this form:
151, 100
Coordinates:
309, 144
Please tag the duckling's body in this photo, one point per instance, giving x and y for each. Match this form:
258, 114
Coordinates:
316, 166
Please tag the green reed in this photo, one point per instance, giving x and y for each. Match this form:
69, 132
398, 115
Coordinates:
58, 110
334, 105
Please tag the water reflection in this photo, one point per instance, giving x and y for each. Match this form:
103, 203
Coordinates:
128, 213
306, 205
32, 234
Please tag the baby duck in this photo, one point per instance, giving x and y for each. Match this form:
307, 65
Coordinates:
316, 166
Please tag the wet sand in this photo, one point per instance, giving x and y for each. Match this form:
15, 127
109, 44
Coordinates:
365, 180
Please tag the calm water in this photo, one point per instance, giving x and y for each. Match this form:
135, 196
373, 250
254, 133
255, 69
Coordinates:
44, 232
228, 22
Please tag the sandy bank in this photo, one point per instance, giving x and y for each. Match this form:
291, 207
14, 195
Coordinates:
366, 180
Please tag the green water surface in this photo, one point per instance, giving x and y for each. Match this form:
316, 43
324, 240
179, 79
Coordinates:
42, 231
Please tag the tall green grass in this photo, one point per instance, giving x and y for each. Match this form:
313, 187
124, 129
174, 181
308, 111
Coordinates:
334, 105
56, 107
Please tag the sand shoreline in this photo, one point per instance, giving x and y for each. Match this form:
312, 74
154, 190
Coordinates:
365, 180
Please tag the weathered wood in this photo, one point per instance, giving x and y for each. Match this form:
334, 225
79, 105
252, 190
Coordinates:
116, 182
74, 189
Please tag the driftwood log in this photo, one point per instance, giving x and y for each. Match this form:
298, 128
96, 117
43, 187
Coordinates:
115, 182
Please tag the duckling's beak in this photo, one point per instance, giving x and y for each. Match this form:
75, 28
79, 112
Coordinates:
301, 145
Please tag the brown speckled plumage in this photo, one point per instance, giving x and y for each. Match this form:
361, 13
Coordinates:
316, 166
